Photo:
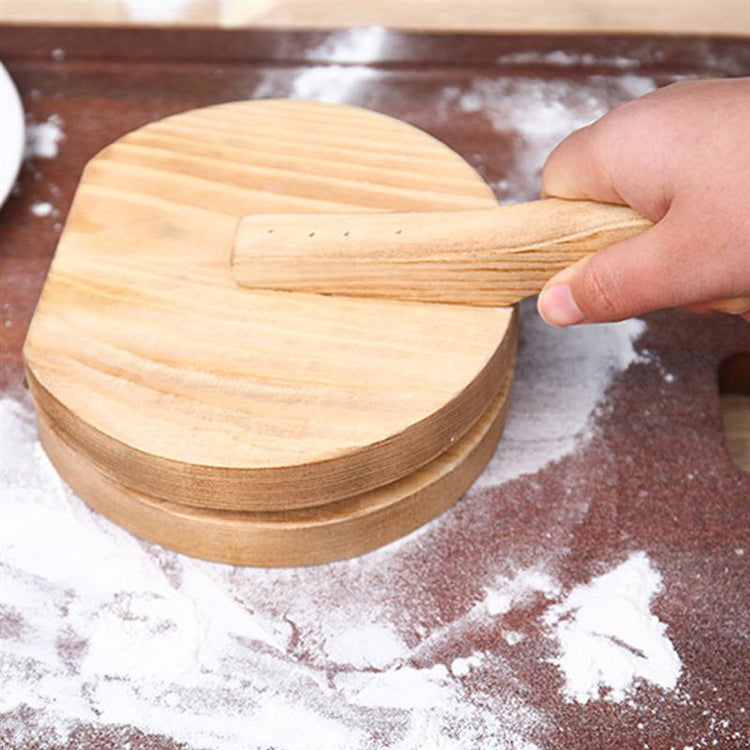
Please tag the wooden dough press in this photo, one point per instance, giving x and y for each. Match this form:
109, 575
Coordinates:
257, 426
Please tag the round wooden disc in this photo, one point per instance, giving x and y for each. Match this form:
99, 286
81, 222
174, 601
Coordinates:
306, 536
168, 377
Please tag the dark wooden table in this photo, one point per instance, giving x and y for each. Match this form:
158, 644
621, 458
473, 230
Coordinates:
655, 475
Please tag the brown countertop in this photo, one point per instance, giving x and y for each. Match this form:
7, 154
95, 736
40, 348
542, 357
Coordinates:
642, 485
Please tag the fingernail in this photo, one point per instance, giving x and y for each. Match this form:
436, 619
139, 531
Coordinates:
558, 307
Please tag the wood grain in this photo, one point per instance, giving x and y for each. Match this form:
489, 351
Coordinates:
296, 537
175, 382
491, 256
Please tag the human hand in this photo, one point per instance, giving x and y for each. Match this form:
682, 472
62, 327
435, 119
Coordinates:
681, 157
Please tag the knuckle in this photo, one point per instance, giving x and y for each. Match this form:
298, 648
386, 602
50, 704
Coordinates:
602, 297
609, 127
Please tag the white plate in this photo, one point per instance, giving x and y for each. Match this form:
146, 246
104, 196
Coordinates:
11, 134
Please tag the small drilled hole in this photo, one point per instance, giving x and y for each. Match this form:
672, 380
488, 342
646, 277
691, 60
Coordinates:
312, 234
270, 231
346, 234
398, 231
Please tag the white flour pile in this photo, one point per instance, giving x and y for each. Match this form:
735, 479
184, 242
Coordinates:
608, 637
42, 138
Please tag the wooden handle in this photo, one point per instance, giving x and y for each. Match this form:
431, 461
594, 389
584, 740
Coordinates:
493, 256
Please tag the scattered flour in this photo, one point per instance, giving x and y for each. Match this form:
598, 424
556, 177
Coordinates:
336, 84
346, 54
507, 593
584, 359
538, 114
461, 666
107, 629
402, 687
362, 44
609, 639
563, 59
42, 138
41, 208
118, 631
374, 645
102, 628
512, 637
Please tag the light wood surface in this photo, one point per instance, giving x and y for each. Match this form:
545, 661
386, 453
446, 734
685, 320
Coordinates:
697, 16
302, 537
491, 256
671, 16
179, 384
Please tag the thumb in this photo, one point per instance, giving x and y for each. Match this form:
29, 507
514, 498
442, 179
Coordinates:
648, 272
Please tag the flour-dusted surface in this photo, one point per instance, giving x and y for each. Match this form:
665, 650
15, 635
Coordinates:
496, 625
146, 637
103, 629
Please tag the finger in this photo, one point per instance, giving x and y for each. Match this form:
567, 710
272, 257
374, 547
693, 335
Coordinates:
651, 271
577, 169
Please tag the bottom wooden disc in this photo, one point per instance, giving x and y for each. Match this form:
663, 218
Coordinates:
303, 537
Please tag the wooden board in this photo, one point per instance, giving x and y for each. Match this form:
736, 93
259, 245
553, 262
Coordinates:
597, 16
305, 536
178, 384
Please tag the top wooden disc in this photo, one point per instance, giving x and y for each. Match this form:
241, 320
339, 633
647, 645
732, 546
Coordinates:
179, 384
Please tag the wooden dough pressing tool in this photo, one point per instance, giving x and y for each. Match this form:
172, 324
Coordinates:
490, 256
263, 427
